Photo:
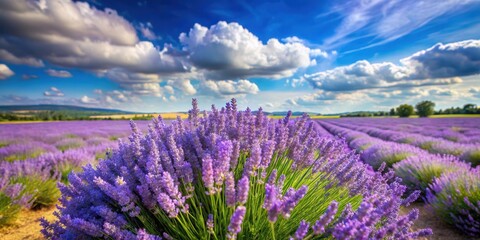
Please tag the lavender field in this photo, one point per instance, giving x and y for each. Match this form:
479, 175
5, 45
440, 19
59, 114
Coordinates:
438, 157
35, 156
239, 119
236, 174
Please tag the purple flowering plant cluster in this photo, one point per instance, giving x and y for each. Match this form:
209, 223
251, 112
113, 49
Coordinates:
467, 150
228, 174
419, 171
455, 197
447, 183
35, 156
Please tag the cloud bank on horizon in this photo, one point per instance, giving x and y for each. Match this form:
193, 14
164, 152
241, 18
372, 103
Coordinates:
331, 58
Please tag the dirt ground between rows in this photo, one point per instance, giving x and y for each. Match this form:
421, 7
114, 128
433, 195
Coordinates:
427, 219
28, 226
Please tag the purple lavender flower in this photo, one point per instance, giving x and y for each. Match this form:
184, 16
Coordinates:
325, 219
236, 221
274, 211
210, 224
222, 161
267, 153
167, 205
243, 187
291, 201
207, 174
143, 235
270, 195
230, 189
302, 230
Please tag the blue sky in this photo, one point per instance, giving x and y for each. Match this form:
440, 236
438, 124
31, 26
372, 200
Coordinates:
320, 56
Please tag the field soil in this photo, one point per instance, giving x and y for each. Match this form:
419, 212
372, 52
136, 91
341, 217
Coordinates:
27, 226
427, 219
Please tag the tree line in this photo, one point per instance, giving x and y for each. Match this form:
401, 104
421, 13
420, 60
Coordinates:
422, 109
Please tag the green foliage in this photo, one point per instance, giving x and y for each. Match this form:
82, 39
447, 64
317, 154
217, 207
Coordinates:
45, 193
69, 143
405, 110
113, 138
472, 156
396, 157
24, 155
8, 210
65, 170
470, 108
4, 144
425, 108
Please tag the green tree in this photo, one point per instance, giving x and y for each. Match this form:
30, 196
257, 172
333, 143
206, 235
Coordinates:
470, 108
405, 110
392, 112
425, 108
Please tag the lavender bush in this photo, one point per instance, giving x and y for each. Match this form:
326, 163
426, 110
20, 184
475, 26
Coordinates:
69, 143
455, 197
472, 156
231, 174
22, 151
388, 153
12, 200
417, 172
43, 191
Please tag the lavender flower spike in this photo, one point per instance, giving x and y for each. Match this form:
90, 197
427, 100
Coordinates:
325, 219
230, 189
242, 190
302, 230
207, 174
236, 221
210, 224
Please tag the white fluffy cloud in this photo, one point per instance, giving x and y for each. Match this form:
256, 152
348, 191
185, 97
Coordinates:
146, 30
228, 88
321, 97
53, 92
184, 85
5, 72
475, 92
446, 60
105, 43
88, 100
87, 38
109, 98
439, 65
58, 73
229, 51
30, 61
150, 89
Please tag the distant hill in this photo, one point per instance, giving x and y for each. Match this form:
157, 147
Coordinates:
53, 112
283, 113
53, 107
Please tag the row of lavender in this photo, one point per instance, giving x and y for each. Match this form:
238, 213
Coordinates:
461, 130
448, 184
230, 174
35, 156
469, 152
